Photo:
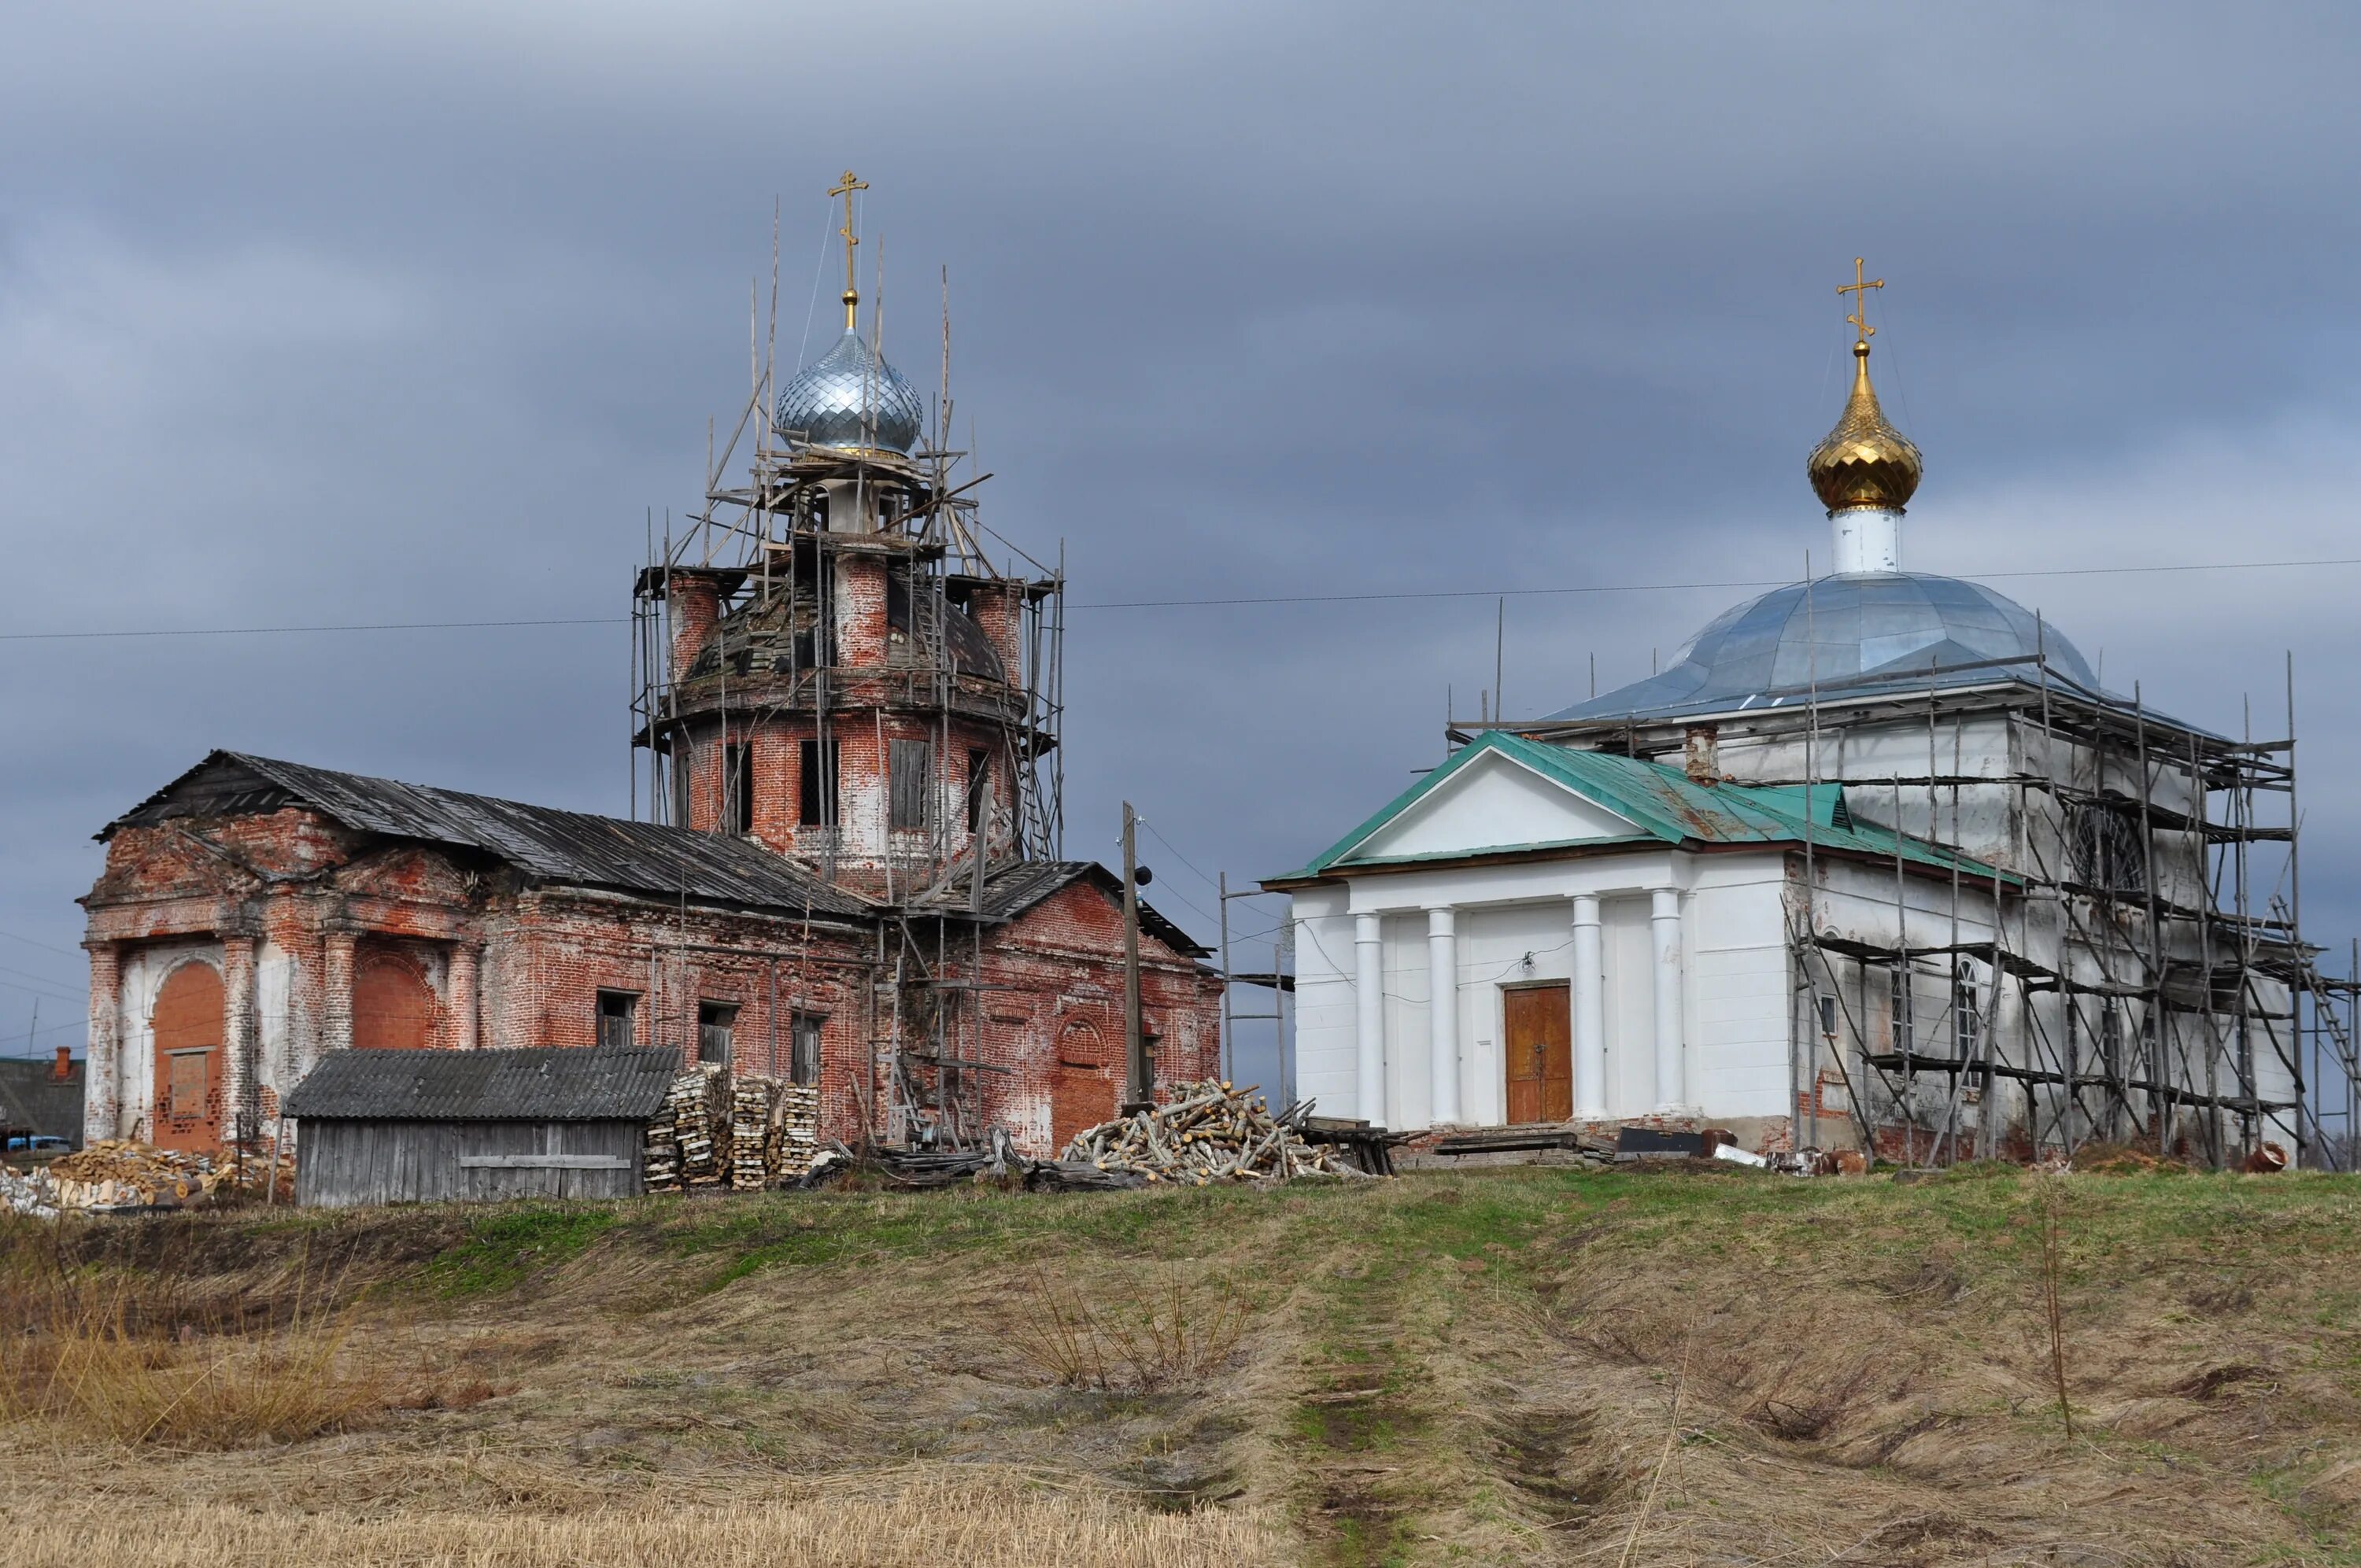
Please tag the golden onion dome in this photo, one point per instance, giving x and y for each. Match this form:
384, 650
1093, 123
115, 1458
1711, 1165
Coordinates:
1864, 461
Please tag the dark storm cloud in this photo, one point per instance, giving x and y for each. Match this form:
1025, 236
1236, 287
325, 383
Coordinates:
412, 314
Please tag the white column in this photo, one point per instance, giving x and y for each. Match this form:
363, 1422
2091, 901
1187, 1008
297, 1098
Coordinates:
1664, 922
1369, 1027
1442, 1015
1590, 1000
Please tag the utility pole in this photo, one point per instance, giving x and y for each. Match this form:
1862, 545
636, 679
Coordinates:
1139, 1073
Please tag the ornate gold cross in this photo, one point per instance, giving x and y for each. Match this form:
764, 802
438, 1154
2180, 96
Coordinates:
845, 188
1858, 288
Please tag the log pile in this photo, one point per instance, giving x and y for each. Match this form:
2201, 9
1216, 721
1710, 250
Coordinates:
700, 1109
753, 1132
795, 1131
1206, 1132
116, 1173
744, 1132
688, 1141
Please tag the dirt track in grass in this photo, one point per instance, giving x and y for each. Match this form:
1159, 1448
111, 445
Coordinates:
1479, 1367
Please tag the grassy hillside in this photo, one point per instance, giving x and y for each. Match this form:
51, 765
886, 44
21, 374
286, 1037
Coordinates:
1507, 1366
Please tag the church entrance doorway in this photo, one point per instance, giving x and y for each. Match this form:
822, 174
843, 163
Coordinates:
188, 1029
1081, 1085
1538, 1027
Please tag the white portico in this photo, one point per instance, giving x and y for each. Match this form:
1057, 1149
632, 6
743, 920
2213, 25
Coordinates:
1538, 935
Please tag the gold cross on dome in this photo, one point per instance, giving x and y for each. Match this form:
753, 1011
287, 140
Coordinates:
845, 188
1858, 290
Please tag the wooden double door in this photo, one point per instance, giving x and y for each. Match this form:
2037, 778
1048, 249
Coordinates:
1538, 1029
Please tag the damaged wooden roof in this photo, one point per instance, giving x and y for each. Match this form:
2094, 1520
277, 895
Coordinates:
1013, 889
548, 845
544, 1083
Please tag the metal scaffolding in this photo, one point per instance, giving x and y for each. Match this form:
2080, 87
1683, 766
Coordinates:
2174, 982
765, 541
2132, 964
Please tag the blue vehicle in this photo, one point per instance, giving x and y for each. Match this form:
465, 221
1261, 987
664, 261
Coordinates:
35, 1143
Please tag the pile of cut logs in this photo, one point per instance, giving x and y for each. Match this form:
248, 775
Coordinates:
1206, 1132
795, 1131
744, 1132
120, 1173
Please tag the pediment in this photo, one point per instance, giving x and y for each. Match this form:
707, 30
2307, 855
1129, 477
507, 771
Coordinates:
1493, 802
407, 873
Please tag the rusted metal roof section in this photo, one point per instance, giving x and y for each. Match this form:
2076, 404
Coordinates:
550, 846
1012, 890
547, 1083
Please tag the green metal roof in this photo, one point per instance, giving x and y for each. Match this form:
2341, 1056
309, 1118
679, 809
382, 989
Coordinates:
1665, 805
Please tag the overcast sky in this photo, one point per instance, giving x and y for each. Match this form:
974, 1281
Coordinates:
411, 313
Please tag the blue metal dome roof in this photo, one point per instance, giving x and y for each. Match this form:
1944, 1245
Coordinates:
1889, 626
850, 398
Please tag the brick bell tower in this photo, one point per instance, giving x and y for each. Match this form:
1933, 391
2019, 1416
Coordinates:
857, 685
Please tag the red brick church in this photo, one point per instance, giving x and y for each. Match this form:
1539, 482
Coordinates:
841, 868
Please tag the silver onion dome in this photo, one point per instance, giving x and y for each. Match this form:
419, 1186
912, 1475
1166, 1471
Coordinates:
1855, 635
851, 398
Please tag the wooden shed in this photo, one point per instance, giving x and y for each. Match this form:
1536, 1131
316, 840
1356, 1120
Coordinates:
406, 1126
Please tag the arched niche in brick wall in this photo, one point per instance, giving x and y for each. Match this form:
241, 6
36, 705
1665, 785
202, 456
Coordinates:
1082, 1080
393, 1007
189, 1061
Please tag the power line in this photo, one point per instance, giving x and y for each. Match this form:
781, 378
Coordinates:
1673, 587
262, 631
50, 995
45, 980
45, 946
1208, 603
1184, 859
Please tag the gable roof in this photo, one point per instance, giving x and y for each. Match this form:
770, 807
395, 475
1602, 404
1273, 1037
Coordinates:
540, 1083
1665, 805
1013, 889
571, 848
32, 1097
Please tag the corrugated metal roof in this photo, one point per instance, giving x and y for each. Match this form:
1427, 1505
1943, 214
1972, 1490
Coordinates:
1666, 806
547, 844
548, 1083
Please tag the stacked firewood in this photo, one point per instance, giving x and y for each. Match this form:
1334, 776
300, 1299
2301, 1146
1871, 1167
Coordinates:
753, 1132
700, 1108
741, 1130
689, 1139
1206, 1132
795, 1131
660, 1159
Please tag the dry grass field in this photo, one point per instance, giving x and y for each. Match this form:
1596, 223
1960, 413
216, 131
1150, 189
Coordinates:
1511, 1366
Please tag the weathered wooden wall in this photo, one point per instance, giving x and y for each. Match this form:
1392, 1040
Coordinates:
345, 1163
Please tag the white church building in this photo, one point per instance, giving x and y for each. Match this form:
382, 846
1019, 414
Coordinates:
1877, 862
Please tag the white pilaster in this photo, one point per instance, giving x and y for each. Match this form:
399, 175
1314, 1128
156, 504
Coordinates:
1590, 1003
1664, 927
1442, 1015
1868, 539
1369, 1018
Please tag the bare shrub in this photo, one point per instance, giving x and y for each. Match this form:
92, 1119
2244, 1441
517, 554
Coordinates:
1157, 1337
